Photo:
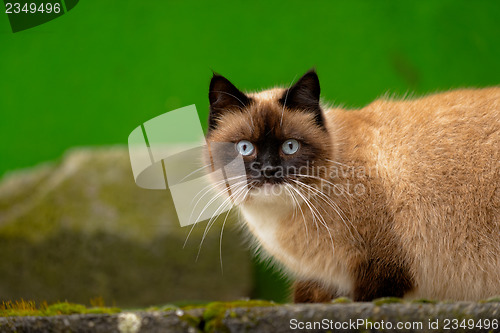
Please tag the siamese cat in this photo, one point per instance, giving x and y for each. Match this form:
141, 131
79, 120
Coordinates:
399, 198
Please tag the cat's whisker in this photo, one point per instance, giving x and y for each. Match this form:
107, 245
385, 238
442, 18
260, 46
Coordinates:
216, 183
218, 194
252, 129
230, 197
224, 205
315, 214
335, 186
284, 103
337, 162
211, 222
294, 202
209, 225
211, 187
315, 211
250, 125
221, 233
299, 206
205, 190
334, 206
195, 171
323, 179
222, 109
220, 242
225, 92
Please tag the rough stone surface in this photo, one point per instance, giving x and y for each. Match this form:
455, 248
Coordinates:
81, 228
275, 319
122, 323
279, 319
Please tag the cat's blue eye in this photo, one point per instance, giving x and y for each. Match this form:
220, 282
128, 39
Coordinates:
245, 147
290, 146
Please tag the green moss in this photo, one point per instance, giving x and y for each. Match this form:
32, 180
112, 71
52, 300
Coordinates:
103, 310
182, 304
19, 308
214, 309
191, 320
424, 301
215, 312
24, 308
190, 305
64, 309
495, 299
162, 308
341, 300
387, 300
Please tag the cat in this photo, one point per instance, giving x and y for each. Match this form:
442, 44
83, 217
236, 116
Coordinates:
399, 198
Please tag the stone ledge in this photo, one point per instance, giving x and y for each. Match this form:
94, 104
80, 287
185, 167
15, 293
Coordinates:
279, 318
82, 228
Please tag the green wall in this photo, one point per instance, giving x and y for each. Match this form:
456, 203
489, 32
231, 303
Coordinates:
94, 74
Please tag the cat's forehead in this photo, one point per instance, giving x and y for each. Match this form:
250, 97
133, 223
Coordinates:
264, 118
269, 95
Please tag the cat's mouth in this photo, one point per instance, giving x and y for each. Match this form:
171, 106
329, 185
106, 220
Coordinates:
267, 186
267, 176
267, 190
263, 181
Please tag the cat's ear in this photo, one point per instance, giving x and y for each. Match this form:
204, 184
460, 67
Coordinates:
304, 95
223, 95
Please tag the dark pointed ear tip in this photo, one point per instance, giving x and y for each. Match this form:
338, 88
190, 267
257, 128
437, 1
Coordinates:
216, 78
312, 72
214, 73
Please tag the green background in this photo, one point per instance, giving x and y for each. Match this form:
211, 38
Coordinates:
93, 75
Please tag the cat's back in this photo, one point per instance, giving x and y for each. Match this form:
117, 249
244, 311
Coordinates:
442, 141
463, 115
444, 136
438, 159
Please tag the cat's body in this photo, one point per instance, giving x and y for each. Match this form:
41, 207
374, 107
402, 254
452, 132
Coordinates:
409, 205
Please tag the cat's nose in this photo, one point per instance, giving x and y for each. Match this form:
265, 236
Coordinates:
270, 172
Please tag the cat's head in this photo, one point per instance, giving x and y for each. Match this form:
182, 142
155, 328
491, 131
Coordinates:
281, 135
